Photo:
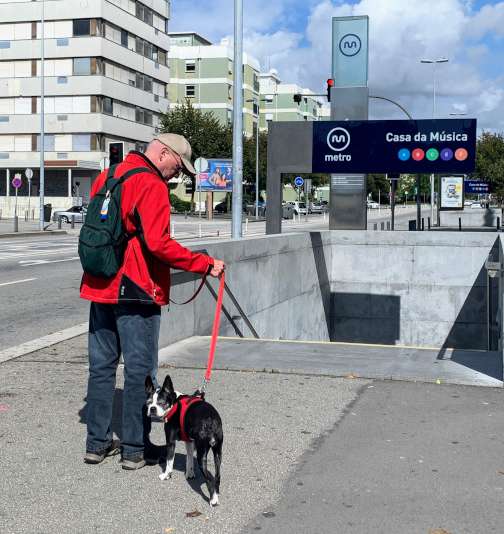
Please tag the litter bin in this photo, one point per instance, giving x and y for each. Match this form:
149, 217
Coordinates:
47, 212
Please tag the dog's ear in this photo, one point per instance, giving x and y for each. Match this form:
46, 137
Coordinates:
168, 384
149, 385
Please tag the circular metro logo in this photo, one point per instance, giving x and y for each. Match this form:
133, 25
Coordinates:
404, 154
461, 154
338, 139
446, 154
432, 154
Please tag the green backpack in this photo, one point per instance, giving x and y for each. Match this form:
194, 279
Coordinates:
103, 238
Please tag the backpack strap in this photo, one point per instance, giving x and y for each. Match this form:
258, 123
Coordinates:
110, 186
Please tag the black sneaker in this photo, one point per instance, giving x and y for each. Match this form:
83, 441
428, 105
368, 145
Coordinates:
133, 463
97, 457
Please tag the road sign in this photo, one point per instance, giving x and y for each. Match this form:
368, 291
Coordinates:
475, 187
201, 165
29, 173
299, 182
16, 181
396, 146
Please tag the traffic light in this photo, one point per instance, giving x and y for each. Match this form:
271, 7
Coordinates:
330, 85
297, 98
116, 153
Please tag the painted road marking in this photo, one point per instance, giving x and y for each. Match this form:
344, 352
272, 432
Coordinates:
17, 282
30, 263
42, 342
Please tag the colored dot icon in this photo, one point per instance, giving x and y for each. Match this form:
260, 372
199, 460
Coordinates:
404, 154
432, 154
461, 154
446, 154
418, 154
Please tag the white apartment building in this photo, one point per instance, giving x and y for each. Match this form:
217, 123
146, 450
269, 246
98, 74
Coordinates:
106, 74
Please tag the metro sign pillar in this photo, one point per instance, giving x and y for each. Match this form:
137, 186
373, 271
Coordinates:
349, 101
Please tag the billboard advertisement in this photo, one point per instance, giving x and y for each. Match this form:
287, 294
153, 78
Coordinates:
218, 176
394, 146
452, 192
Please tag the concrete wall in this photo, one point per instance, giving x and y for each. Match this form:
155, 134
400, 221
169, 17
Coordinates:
276, 282
471, 218
410, 288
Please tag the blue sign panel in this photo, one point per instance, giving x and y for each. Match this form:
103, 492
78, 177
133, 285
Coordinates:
476, 187
218, 176
350, 51
423, 146
299, 182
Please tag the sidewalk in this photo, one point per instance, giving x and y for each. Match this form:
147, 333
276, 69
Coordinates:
302, 454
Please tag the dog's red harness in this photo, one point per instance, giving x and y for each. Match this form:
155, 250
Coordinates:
184, 402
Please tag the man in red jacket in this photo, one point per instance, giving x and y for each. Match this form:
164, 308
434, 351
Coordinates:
126, 309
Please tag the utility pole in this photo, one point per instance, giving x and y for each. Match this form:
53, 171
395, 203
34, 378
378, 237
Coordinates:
236, 232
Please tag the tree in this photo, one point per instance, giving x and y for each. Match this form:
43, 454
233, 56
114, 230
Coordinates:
207, 136
490, 162
379, 187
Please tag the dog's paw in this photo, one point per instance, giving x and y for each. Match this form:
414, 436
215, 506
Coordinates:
214, 501
164, 476
190, 474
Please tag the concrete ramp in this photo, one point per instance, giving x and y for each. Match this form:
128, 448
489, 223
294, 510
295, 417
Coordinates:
453, 366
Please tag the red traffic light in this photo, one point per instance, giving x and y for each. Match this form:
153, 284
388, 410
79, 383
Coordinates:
330, 82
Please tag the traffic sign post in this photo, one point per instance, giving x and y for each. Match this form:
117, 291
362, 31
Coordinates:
29, 176
16, 184
200, 165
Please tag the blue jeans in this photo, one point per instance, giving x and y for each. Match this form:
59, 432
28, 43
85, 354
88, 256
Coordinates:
132, 329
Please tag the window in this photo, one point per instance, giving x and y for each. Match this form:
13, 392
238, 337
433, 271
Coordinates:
107, 105
63, 143
81, 142
48, 143
82, 66
190, 65
161, 57
124, 38
190, 91
139, 46
81, 27
148, 117
22, 143
139, 80
148, 84
148, 50
22, 106
255, 107
139, 117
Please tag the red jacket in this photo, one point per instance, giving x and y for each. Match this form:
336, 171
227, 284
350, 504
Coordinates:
145, 274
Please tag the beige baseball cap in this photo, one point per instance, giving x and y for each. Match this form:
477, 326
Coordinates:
180, 145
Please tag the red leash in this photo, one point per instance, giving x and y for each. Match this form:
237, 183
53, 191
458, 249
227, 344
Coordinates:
215, 331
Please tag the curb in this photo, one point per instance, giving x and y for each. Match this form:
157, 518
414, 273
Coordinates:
34, 234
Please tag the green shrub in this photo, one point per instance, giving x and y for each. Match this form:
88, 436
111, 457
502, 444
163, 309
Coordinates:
179, 205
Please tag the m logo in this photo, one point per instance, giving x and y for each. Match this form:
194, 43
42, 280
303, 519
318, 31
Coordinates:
350, 45
338, 139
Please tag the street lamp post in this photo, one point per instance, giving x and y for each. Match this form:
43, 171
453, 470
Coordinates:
238, 121
433, 62
42, 125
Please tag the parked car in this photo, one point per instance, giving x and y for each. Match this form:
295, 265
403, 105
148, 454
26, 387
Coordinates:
476, 205
468, 203
372, 205
77, 212
317, 207
299, 207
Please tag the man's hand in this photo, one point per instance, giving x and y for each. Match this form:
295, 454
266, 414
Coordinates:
218, 268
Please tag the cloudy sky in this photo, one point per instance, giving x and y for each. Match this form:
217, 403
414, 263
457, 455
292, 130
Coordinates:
294, 37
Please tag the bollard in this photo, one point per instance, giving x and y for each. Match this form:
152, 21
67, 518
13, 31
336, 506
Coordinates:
16, 227
428, 223
172, 229
423, 224
246, 225
382, 226
460, 224
498, 224
59, 223
72, 222
388, 225
26, 215
33, 215
185, 215
200, 229
218, 233
375, 226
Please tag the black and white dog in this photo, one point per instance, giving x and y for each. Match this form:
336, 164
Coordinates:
191, 419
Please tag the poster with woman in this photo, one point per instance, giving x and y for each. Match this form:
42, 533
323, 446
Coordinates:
217, 177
